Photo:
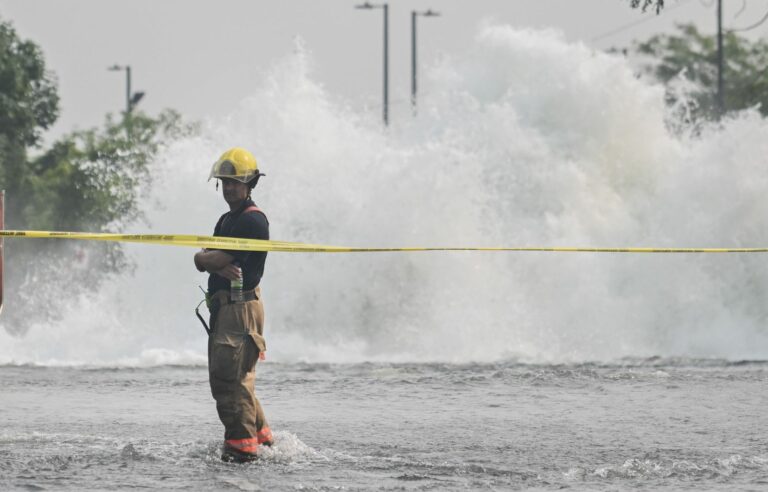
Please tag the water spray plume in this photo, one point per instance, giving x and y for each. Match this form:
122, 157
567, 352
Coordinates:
524, 139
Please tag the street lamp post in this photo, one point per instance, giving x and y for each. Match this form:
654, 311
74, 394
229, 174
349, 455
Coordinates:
414, 14
131, 98
385, 7
720, 90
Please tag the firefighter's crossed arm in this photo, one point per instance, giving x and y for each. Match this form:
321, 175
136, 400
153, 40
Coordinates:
216, 261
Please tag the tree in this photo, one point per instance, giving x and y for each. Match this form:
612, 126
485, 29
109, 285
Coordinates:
108, 168
88, 180
693, 56
29, 104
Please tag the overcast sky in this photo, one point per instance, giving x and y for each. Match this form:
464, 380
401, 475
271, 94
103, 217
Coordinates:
202, 57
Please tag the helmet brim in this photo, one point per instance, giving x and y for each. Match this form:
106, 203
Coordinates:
243, 179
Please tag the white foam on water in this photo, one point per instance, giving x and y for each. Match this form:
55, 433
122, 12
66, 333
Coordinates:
522, 140
656, 468
288, 448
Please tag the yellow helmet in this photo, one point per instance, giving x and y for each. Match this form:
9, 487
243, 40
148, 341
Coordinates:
236, 163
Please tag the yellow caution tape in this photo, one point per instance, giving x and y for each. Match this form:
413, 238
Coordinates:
233, 243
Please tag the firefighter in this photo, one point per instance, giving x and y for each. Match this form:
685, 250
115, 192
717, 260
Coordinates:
236, 340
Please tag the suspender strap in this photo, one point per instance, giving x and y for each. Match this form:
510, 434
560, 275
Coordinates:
253, 208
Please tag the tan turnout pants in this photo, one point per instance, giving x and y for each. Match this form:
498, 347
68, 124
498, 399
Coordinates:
233, 349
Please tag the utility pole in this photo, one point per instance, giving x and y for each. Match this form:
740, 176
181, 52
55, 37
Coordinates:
386, 64
131, 98
414, 14
413, 61
128, 89
720, 90
385, 7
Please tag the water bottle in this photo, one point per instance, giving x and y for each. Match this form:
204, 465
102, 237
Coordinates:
236, 286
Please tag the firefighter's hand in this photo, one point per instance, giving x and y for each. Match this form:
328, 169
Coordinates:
230, 272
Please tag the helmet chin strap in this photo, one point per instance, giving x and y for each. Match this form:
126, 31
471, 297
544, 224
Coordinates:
250, 188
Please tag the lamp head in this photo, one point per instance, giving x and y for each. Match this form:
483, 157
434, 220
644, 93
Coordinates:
136, 98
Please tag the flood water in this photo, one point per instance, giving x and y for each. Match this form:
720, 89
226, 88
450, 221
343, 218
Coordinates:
649, 424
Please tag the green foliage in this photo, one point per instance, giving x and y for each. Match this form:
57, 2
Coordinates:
28, 105
88, 180
93, 179
28, 99
694, 56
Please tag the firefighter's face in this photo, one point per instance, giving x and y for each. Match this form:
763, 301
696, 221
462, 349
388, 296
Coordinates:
233, 190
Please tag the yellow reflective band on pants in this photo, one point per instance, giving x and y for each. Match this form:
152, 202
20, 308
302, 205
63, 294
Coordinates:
233, 350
